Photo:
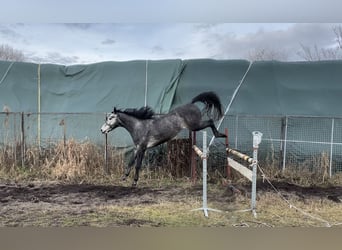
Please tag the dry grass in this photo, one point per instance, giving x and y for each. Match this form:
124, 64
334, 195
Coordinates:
272, 211
69, 161
294, 212
76, 162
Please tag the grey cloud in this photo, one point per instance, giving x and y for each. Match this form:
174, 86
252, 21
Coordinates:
285, 41
108, 42
61, 59
180, 53
204, 26
157, 49
81, 26
8, 32
52, 57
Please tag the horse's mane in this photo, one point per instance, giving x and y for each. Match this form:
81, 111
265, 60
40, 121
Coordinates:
141, 113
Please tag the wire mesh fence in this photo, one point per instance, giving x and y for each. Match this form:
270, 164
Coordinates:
295, 142
313, 143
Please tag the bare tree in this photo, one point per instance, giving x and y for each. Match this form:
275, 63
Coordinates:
266, 54
7, 53
314, 53
338, 34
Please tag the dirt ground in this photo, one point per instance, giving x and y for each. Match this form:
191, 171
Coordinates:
46, 204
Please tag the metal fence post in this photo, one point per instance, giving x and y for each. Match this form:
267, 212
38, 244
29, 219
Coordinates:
39, 107
106, 154
106, 169
285, 144
193, 158
22, 135
228, 170
331, 146
236, 130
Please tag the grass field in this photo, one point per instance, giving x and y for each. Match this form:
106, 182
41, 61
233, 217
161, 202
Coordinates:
67, 186
164, 204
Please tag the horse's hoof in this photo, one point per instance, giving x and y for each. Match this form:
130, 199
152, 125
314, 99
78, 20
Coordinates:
221, 135
134, 184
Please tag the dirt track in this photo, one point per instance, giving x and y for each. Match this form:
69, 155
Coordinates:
54, 204
20, 203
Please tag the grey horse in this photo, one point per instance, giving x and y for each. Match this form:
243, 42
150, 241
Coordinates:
149, 130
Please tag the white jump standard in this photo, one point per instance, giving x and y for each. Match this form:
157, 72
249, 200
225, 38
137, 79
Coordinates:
203, 156
249, 174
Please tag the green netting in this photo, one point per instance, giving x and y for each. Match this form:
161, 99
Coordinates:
94, 88
221, 76
299, 99
291, 88
99, 87
18, 86
269, 88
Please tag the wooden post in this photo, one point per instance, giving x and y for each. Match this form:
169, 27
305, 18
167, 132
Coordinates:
63, 125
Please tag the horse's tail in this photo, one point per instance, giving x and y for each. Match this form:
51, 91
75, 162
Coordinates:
212, 103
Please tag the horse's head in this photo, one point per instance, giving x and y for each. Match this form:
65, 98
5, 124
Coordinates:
112, 122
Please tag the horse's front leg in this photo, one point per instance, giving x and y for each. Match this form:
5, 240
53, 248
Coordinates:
129, 166
140, 156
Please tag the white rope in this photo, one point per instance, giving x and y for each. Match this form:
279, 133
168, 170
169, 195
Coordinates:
300, 141
8, 69
327, 224
231, 100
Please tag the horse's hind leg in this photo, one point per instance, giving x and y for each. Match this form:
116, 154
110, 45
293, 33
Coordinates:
206, 124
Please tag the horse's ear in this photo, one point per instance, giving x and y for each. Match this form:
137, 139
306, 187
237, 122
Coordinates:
114, 110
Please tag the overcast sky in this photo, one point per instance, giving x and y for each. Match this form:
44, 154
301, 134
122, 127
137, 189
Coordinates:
89, 43
72, 32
